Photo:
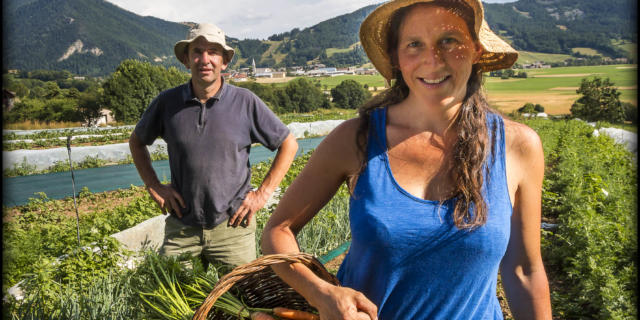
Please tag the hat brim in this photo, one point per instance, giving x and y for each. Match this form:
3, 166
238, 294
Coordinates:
497, 54
180, 48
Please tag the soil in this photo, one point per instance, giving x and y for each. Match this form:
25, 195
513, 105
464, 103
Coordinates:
334, 264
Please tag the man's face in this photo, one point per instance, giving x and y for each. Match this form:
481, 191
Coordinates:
206, 61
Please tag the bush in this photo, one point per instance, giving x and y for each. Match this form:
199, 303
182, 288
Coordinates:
527, 108
590, 191
630, 112
600, 101
304, 95
349, 94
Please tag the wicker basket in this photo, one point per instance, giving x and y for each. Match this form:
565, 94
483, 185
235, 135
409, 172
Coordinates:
260, 287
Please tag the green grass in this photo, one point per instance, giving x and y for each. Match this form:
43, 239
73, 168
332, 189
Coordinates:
370, 80
539, 80
630, 47
278, 57
586, 51
332, 51
554, 88
319, 115
530, 57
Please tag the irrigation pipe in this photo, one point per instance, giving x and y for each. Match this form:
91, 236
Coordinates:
73, 183
335, 252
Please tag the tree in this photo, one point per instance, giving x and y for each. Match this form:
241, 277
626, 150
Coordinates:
600, 101
51, 90
630, 112
304, 95
89, 106
265, 92
349, 94
134, 84
527, 108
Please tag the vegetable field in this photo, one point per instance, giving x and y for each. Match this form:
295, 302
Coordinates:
589, 191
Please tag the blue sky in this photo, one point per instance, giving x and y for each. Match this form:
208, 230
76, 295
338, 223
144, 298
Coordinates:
256, 19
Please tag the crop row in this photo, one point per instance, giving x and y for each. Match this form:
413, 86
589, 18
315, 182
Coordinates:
41, 139
25, 168
62, 133
95, 140
50, 227
589, 191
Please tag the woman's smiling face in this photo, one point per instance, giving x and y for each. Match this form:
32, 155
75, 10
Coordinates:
435, 55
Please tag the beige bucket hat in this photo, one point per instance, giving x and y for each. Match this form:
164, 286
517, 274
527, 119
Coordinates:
375, 27
210, 32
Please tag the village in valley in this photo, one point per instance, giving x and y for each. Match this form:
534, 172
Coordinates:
286, 73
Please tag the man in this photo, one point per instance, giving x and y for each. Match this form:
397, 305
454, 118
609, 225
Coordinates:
209, 127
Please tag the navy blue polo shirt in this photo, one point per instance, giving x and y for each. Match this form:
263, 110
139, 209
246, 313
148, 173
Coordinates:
208, 146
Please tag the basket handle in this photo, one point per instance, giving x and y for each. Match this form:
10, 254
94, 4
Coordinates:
226, 282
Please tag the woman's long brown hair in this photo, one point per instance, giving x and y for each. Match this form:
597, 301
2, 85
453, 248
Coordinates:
472, 145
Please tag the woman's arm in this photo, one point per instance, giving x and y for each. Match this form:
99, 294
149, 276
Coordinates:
523, 276
329, 166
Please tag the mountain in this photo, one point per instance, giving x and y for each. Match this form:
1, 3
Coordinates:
557, 26
88, 37
91, 37
549, 26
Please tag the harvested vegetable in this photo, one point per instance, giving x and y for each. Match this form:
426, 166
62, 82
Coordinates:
294, 314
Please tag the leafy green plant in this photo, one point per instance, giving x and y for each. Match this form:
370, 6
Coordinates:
590, 191
21, 169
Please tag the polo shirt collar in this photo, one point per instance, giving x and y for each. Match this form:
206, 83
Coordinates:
188, 95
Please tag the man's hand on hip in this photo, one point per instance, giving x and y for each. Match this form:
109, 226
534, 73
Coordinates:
167, 198
253, 202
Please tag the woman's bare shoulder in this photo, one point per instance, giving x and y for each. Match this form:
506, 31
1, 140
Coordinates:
340, 147
521, 140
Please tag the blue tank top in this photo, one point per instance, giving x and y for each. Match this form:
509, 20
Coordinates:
406, 254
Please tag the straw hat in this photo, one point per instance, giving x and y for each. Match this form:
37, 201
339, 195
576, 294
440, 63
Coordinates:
211, 33
374, 29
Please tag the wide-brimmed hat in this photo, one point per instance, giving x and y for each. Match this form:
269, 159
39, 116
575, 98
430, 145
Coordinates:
375, 28
208, 31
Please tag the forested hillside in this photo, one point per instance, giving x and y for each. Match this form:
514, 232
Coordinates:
91, 37
557, 26
311, 43
88, 37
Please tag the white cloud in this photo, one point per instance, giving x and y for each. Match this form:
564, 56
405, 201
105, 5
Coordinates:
249, 18
246, 18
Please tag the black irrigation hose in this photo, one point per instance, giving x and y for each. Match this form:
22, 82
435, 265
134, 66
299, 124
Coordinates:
73, 183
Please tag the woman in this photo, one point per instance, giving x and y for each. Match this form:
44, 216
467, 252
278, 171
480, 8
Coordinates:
444, 191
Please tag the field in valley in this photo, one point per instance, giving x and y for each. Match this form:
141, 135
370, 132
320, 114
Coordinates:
554, 88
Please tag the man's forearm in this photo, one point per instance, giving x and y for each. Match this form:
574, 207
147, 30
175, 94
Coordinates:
142, 160
281, 163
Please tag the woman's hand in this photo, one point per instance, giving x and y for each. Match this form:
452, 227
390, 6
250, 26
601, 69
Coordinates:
344, 303
332, 162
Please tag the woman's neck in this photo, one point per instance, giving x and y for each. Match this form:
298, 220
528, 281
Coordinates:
419, 115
